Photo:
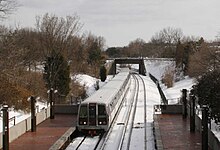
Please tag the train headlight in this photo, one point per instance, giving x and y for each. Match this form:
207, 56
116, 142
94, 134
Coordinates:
100, 122
84, 122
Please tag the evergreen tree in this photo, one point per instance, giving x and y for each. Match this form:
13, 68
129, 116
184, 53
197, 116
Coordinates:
207, 91
57, 74
179, 55
103, 75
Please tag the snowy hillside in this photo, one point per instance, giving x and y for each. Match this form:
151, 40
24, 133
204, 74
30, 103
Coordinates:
157, 68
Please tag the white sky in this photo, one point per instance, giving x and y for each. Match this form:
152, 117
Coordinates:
121, 21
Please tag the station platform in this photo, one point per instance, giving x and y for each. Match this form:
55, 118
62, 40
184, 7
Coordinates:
173, 133
46, 135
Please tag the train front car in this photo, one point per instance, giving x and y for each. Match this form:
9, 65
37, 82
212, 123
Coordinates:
97, 111
92, 118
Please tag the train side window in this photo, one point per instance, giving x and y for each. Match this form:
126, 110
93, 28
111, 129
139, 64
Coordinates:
83, 111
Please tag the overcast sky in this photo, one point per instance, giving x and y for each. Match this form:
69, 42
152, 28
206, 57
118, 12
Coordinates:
122, 21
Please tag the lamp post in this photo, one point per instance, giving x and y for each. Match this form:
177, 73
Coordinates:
184, 106
5, 133
33, 114
204, 127
192, 113
51, 103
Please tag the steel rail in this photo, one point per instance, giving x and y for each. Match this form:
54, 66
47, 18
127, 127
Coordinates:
81, 143
145, 114
133, 115
134, 99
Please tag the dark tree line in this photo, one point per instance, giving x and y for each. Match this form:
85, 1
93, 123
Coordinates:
193, 55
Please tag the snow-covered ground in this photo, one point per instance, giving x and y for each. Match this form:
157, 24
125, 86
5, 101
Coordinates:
156, 68
89, 82
173, 94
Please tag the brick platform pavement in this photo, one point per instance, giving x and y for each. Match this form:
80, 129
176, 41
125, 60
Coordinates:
175, 133
48, 132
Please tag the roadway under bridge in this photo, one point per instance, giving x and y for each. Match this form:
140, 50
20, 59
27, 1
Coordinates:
140, 61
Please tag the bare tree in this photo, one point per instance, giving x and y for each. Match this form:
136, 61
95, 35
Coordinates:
168, 36
167, 39
57, 32
135, 48
7, 7
203, 60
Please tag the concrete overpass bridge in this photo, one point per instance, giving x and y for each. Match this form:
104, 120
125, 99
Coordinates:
115, 61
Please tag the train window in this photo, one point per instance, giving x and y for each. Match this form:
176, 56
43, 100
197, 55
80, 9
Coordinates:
102, 116
101, 111
92, 114
92, 111
83, 111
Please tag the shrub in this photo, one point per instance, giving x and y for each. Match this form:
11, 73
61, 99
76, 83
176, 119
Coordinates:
103, 74
207, 91
168, 78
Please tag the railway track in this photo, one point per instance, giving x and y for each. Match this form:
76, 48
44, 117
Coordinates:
122, 135
136, 129
85, 143
128, 127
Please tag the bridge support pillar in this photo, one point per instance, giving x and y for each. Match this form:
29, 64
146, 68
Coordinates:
142, 69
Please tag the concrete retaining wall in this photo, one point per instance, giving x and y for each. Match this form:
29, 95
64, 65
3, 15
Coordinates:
66, 109
171, 109
213, 140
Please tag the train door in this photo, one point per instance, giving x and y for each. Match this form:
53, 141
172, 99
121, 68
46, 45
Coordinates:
92, 114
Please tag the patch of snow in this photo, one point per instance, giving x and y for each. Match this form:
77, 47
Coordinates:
89, 82
174, 93
158, 67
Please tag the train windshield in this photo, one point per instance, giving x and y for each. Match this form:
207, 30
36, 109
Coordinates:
92, 114
83, 111
102, 111
92, 110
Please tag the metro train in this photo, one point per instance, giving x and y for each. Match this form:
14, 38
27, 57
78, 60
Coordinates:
97, 112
